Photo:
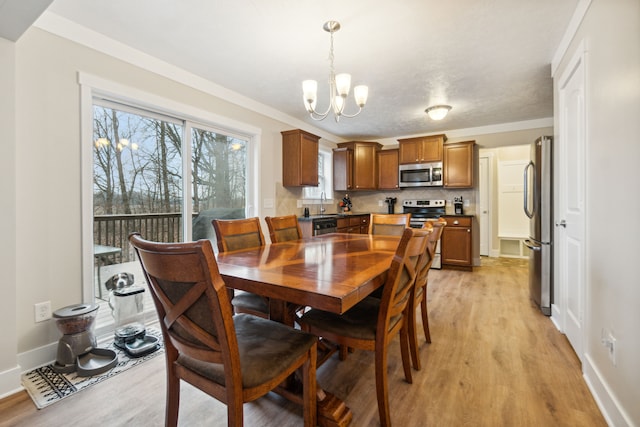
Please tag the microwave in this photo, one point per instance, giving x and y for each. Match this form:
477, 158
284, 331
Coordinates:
420, 175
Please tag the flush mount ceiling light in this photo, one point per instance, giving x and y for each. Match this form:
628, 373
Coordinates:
438, 112
339, 85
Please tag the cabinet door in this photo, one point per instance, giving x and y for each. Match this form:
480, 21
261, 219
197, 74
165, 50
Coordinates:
409, 152
456, 245
299, 158
431, 149
364, 169
388, 170
458, 165
342, 174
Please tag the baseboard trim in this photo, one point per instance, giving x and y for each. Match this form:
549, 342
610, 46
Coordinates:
10, 381
613, 413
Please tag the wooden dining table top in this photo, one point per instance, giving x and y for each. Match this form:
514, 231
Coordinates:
331, 272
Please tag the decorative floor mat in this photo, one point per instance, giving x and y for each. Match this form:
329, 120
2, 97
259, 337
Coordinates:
45, 386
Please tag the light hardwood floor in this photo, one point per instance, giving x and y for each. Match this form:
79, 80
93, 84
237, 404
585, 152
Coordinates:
495, 360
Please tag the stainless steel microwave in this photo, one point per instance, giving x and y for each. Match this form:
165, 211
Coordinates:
420, 175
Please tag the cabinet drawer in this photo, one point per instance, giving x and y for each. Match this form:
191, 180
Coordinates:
455, 221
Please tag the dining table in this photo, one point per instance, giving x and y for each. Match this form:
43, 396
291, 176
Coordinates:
331, 272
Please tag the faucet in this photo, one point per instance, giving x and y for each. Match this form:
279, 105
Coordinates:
322, 196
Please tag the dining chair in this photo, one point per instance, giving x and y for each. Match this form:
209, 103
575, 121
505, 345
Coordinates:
420, 290
235, 359
237, 234
388, 224
373, 323
283, 228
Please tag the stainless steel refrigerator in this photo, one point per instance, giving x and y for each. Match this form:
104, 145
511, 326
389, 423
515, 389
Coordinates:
538, 206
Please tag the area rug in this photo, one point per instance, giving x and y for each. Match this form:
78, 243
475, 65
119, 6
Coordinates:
46, 387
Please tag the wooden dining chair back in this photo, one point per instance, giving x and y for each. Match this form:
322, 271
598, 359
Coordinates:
388, 224
283, 228
210, 348
238, 234
419, 299
373, 323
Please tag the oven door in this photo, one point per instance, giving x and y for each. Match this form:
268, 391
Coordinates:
418, 175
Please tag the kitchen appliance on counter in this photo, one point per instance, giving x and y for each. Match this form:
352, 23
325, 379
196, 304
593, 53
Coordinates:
538, 206
457, 206
420, 175
391, 203
422, 211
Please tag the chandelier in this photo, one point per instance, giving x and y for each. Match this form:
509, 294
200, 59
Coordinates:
339, 85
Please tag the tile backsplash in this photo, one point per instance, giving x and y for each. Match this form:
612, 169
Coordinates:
369, 201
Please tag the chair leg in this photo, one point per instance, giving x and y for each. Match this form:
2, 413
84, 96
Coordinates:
309, 388
173, 398
425, 316
235, 414
404, 350
382, 386
413, 335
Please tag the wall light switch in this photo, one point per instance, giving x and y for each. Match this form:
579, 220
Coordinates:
268, 203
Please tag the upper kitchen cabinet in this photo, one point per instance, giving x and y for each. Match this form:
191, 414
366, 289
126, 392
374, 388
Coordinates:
388, 169
458, 165
423, 149
299, 158
355, 166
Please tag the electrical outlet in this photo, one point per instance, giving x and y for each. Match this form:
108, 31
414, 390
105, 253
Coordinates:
380, 203
42, 311
299, 203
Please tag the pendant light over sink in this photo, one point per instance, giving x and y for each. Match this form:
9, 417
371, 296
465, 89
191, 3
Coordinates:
339, 85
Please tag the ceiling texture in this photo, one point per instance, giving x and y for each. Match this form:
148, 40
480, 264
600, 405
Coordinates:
490, 60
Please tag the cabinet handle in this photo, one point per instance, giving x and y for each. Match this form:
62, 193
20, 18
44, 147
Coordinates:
468, 231
456, 222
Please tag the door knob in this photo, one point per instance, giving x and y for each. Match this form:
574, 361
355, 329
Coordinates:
562, 223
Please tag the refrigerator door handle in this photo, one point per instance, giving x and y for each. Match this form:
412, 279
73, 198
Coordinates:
528, 243
529, 212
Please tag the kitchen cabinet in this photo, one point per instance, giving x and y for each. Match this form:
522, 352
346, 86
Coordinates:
423, 149
355, 166
388, 169
456, 242
457, 170
354, 224
299, 158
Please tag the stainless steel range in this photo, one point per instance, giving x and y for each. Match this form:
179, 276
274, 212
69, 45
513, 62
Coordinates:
422, 211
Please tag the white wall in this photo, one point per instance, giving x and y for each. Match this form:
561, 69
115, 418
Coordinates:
9, 370
611, 33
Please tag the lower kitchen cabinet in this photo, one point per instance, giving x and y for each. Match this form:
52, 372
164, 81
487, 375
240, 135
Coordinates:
354, 224
456, 243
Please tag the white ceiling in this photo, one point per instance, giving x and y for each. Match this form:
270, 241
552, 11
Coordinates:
489, 59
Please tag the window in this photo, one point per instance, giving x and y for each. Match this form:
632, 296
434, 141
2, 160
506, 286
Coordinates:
325, 178
146, 169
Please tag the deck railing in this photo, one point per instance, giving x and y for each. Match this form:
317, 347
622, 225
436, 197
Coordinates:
114, 230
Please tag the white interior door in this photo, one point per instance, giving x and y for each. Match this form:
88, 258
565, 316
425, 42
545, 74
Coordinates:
570, 220
485, 197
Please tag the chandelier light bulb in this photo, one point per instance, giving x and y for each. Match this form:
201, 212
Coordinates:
339, 87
